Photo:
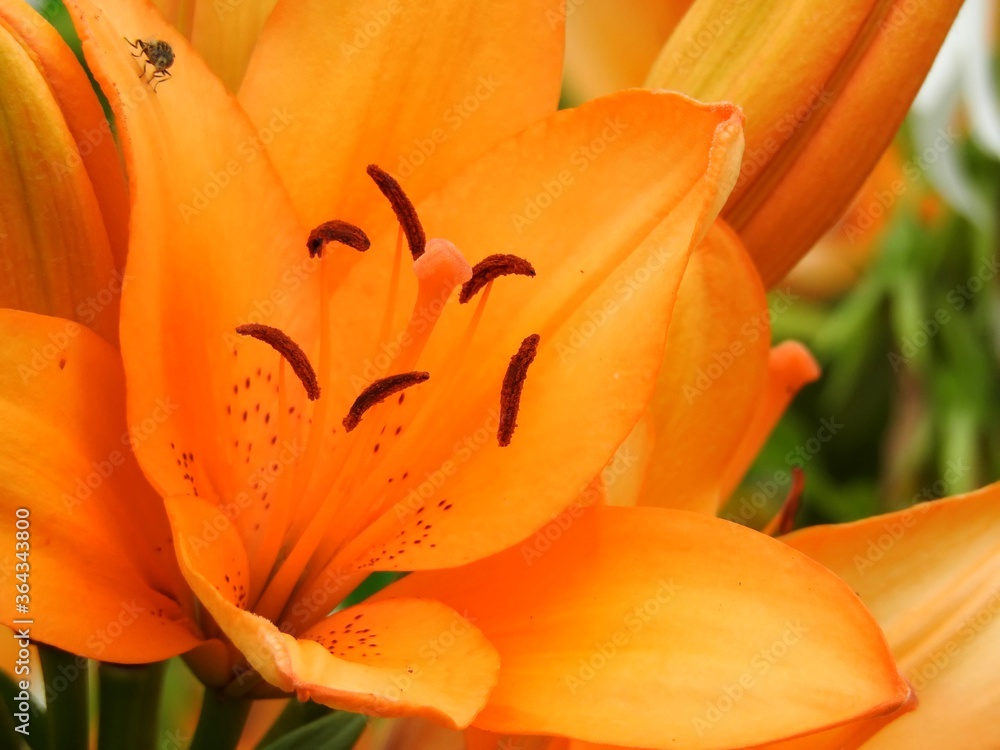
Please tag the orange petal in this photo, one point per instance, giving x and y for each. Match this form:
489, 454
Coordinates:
810, 106
601, 303
223, 32
418, 88
263, 714
215, 244
611, 44
98, 538
844, 737
836, 262
713, 374
625, 474
931, 576
790, 367
84, 117
398, 657
854, 734
53, 244
659, 628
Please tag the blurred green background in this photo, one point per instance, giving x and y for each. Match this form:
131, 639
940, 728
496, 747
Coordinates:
910, 353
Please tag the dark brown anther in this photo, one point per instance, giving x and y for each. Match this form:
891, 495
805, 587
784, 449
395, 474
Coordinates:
281, 343
379, 391
336, 231
490, 268
406, 214
513, 383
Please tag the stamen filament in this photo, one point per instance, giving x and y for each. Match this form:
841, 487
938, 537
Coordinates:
439, 271
287, 571
390, 303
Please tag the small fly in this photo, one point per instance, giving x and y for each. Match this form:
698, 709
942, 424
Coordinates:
157, 54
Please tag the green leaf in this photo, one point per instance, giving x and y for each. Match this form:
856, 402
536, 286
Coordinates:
67, 697
295, 715
338, 731
39, 737
374, 583
129, 704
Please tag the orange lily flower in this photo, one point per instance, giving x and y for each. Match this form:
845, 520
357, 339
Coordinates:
931, 576
722, 386
836, 262
819, 114
938, 608
612, 44
225, 33
64, 203
794, 183
231, 495
927, 573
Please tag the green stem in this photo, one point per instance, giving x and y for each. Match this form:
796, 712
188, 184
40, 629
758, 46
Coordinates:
129, 704
221, 722
67, 694
295, 715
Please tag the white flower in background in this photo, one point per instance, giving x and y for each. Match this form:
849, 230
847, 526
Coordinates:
962, 75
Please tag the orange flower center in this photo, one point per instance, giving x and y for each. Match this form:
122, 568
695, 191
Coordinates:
344, 485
